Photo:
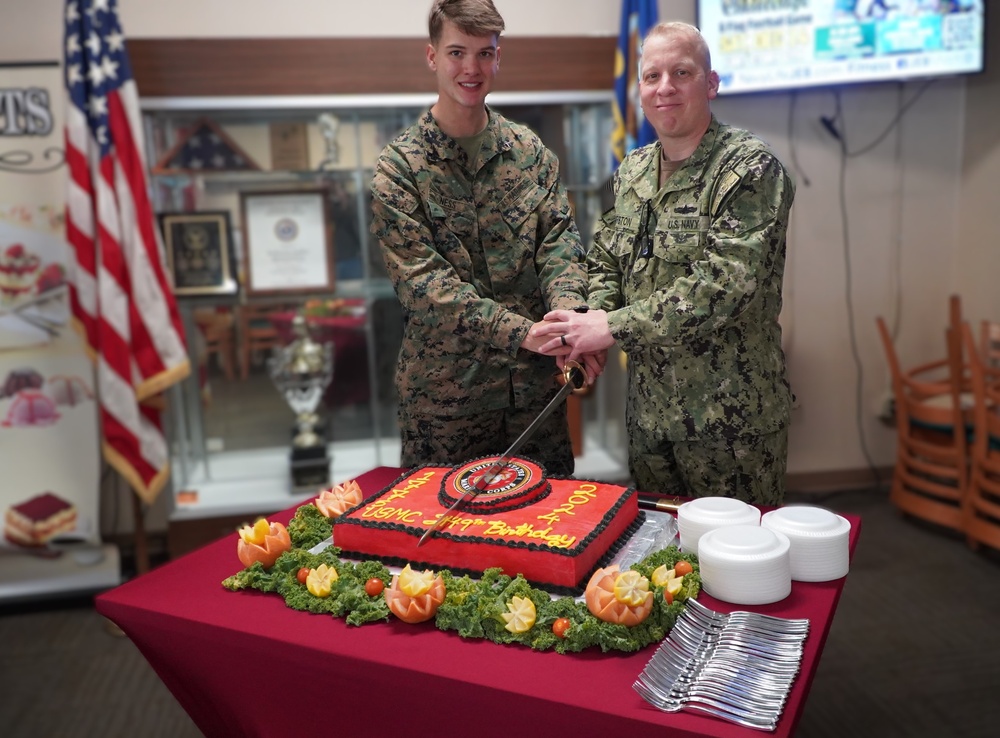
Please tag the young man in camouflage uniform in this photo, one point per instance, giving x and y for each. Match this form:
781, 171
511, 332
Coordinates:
479, 242
685, 275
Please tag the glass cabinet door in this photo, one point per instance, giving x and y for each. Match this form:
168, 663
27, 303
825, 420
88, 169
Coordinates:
231, 428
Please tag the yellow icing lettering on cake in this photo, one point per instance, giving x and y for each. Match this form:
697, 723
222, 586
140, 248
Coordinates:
411, 484
498, 528
527, 530
380, 511
580, 496
560, 541
452, 521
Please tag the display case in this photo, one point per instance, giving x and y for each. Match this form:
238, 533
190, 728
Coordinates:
240, 157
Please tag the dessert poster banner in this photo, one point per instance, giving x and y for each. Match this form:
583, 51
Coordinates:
48, 418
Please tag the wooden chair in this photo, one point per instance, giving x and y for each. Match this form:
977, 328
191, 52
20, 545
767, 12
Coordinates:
217, 330
257, 332
930, 478
989, 343
981, 511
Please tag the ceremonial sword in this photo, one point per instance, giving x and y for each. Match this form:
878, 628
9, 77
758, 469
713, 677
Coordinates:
574, 380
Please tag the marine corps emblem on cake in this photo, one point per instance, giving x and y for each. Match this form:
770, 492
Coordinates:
520, 483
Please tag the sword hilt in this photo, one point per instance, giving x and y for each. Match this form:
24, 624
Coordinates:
574, 374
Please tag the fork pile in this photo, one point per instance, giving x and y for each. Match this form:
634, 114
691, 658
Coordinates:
738, 667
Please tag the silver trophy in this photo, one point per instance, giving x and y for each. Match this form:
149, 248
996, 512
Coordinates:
302, 371
329, 126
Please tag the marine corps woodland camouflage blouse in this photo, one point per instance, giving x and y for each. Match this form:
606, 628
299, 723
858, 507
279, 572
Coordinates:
477, 252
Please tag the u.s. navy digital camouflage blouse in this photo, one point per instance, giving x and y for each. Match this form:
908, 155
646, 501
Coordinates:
692, 276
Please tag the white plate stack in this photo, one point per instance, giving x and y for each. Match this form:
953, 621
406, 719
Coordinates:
697, 517
745, 564
819, 541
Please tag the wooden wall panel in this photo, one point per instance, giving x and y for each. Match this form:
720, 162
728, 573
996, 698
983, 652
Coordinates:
354, 66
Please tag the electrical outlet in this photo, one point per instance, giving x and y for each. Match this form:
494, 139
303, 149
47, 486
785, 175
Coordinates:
886, 408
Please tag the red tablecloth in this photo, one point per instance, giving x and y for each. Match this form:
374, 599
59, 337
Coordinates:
242, 663
350, 353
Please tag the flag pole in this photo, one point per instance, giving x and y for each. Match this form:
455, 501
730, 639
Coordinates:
140, 540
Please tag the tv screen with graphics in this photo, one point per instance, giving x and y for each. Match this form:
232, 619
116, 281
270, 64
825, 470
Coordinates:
762, 45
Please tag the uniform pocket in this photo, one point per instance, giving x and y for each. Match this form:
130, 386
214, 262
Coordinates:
665, 256
519, 207
673, 250
456, 217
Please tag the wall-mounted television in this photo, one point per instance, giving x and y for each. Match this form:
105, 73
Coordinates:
786, 44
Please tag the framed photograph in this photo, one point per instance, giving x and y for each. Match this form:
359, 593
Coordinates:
200, 255
289, 146
288, 242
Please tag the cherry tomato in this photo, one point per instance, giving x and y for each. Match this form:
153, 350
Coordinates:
560, 626
374, 587
302, 574
683, 567
667, 597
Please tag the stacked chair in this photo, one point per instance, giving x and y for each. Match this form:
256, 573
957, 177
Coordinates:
981, 505
933, 404
989, 333
947, 469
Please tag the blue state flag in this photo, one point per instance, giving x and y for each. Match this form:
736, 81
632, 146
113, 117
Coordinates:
631, 127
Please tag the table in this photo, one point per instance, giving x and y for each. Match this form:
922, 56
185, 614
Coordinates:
350, 385
242, 663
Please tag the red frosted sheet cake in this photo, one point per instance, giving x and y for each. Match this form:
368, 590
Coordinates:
553, 531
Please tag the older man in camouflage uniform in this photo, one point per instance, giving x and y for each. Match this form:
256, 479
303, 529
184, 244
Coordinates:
685, 275
477, 235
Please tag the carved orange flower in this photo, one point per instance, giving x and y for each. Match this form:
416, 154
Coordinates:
334, 501
428, 594
619, 598
263, 542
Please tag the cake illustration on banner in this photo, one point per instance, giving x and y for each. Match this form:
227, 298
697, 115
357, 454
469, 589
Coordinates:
36, 521
66, 390
20, 379
31, 408
52, 277
554, 531
19, 269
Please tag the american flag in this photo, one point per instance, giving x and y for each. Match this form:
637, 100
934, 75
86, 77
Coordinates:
119, 294
206, 147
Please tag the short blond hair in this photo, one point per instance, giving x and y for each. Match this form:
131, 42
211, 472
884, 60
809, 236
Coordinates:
474, 17
667, 29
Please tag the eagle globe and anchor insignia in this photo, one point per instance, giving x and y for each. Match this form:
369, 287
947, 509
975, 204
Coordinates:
521, 482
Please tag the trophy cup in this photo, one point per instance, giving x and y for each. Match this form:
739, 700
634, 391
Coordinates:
302, 371
329, 126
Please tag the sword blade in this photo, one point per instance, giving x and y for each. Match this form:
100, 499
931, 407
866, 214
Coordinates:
500, 464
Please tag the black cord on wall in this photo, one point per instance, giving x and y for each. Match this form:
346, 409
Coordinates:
836, 127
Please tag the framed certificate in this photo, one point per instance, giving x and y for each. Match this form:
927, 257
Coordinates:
288, 240
200, 253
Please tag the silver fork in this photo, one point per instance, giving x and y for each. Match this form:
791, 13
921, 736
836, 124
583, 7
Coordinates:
697, 642
743, 696
772, 643
667, 703
770, 623
749, 684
